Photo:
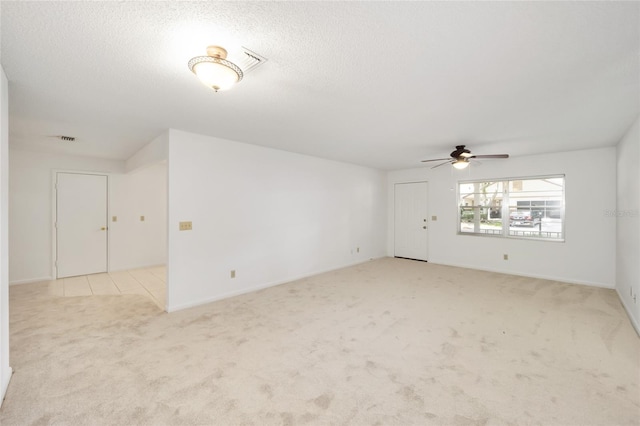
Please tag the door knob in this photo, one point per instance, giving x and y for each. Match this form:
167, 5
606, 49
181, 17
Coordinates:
424, 227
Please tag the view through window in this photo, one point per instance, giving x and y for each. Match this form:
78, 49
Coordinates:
519, 208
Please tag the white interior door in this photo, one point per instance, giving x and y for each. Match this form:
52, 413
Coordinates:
411, 226
81, 224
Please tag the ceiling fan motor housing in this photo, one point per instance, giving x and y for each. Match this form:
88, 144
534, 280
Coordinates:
460, 151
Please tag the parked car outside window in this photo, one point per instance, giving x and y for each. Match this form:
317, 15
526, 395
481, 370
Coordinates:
523, 218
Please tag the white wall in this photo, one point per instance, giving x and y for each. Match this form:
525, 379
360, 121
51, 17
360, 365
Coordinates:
628, 223
5, 370
134, 243
30, 194
154, 152
588, 254
270, 215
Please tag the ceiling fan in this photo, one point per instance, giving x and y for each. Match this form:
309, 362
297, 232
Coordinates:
460, 158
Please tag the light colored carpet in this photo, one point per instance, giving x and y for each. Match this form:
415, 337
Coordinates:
388, 342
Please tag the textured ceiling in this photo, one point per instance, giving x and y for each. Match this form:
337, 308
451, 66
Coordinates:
382, 84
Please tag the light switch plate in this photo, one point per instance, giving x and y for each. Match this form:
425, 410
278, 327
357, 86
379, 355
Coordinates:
141, 218
185, 226
114, 218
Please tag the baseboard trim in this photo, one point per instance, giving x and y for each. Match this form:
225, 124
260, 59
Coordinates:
152, 265
632, 318
5, 386
521, 274
31, 280
227, 295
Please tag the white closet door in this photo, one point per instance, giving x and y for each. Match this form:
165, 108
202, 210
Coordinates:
411, 225
81, 224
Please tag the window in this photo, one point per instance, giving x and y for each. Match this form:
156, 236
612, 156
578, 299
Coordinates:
517, 208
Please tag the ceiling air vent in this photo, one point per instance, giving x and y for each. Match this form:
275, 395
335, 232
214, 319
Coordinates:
250, 60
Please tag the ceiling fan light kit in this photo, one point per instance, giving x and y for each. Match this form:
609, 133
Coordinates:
461, 164
460, 158
214, 70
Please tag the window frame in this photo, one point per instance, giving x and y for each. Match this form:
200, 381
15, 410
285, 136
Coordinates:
505, 208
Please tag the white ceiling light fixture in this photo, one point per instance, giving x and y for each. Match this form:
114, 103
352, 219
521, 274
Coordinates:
214, 70
461, 163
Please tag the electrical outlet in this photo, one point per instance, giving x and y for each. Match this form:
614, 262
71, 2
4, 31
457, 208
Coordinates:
505, 256
233, 273
185, 226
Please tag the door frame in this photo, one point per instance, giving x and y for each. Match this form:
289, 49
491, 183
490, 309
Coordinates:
54, 214
393, 215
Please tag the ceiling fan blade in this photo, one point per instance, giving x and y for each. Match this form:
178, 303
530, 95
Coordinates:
441, 164
491, 156
436, 159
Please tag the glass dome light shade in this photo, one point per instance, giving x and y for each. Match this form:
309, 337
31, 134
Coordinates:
461, 164
216, 73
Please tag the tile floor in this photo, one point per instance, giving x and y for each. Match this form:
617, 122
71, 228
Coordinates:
150, 282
